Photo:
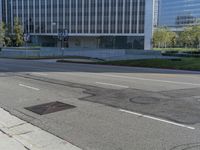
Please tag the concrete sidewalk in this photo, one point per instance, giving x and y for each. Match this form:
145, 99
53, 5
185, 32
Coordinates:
16, 134
8, 143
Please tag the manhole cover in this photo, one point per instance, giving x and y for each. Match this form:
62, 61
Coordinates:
48, 108
144, 100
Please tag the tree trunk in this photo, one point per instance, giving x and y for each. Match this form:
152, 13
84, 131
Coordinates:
199, 43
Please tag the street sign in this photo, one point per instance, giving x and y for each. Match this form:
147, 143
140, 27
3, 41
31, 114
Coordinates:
26, 37
63, 35
66, 33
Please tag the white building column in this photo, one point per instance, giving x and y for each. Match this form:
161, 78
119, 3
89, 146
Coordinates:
116, 17
70, 16
83, 15
123, 17
40, 17
58, 16
46, 24
12, 17
34, 24
109, 17
148, 27
102, 26
131, 16
0, 11
6, 9
63, 14
96, 15
52, 21
28, 6
17, 7
89, 19
138, 14
76, 16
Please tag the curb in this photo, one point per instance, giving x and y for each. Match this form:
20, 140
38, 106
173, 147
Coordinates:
28, 136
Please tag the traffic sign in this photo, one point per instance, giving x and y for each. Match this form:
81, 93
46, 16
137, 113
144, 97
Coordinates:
26, 37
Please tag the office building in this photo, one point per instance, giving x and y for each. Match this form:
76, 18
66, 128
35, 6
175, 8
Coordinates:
179, 13
87, 23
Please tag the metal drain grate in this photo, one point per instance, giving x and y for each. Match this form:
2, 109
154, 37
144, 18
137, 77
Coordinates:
48, 108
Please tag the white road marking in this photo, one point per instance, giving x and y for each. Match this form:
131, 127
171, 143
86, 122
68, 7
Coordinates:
29, 87
157, 119
41, 74
154, 80
122, 86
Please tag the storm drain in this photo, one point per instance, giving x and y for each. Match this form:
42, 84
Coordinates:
48, 108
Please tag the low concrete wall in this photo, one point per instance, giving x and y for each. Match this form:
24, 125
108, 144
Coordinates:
16, 53
95, 53
52, 52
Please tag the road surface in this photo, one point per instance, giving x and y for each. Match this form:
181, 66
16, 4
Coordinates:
115, 108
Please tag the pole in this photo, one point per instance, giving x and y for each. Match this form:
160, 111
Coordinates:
62, 46
26, 48
26, 38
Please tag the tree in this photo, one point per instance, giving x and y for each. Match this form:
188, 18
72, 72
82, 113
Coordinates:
8, 36
187, 37
2, 34
163, 38
158, 37
18, 33
172, 39
196, 34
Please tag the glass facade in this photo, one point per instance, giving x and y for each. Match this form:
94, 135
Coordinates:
178, 13
105, 20
77, 16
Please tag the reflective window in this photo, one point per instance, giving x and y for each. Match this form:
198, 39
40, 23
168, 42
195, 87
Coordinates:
179, 12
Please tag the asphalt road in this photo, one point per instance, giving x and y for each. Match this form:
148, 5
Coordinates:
116, 108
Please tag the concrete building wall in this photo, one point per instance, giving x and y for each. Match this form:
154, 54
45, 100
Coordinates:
149, 22
156, 12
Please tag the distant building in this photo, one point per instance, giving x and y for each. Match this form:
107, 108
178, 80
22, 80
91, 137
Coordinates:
185, 20
179, 13
89, 23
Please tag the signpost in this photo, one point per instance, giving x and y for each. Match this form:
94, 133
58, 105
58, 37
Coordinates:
63, 36
26, 39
